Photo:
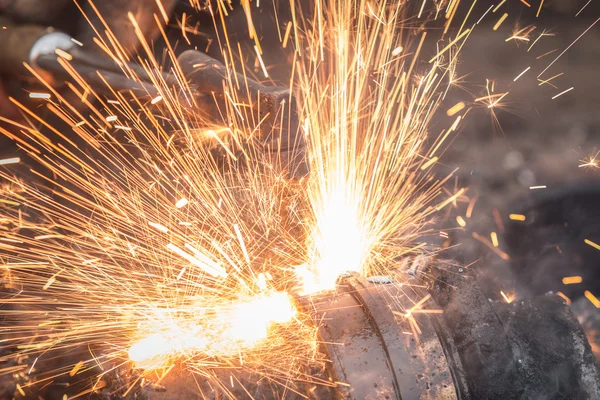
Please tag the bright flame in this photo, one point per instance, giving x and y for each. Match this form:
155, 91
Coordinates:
242, 325
340, 243
152, 351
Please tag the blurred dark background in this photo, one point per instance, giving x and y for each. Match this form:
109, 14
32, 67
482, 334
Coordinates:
531, 141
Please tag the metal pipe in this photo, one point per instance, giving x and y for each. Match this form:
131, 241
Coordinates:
372, 348
381, 345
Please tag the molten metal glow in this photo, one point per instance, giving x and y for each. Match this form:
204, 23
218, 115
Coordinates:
341, 243
239, 326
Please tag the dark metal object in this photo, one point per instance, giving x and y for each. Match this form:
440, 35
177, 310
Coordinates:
371, 345
478, 334
474, 350
553, 356
533, 348
280, 132
551, 244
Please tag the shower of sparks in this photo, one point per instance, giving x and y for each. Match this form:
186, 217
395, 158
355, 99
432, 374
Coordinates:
367, 119
143, 248
156, 246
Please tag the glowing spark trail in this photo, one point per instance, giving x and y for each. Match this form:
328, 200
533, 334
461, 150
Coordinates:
570, 280
563, 92
593, 244
568, 47
521, 74
517, 217
12, 160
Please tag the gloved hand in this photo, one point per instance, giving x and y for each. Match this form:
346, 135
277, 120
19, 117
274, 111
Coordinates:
24, 22
23, 11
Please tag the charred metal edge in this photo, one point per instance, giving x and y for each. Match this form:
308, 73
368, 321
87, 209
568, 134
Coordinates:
478, 334
459, 376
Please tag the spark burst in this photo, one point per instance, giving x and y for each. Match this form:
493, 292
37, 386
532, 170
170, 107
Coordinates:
144, 248
140, 246
368, 113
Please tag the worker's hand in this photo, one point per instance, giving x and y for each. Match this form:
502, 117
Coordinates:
24, 11
26, 35
279, 133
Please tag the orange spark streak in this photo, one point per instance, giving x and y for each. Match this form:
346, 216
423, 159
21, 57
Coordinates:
571, 280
